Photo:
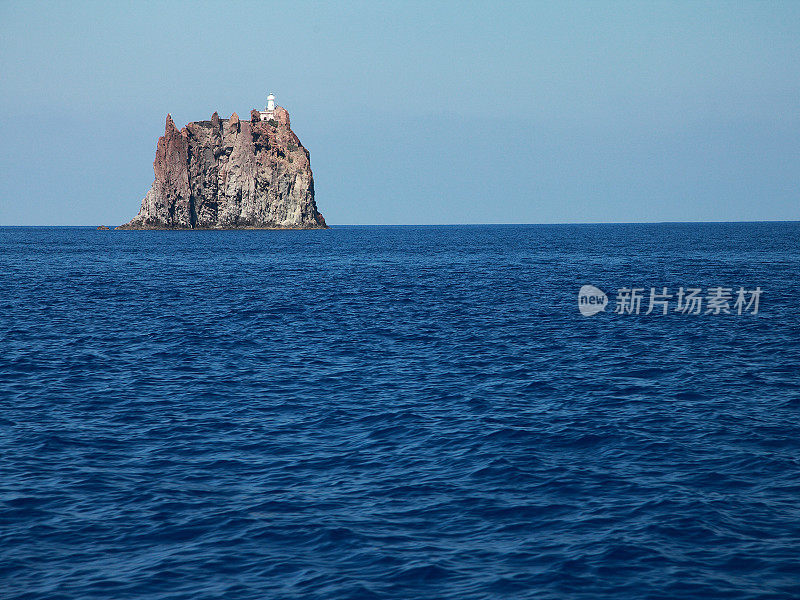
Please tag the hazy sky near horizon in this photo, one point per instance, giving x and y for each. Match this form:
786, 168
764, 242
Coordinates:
417, 112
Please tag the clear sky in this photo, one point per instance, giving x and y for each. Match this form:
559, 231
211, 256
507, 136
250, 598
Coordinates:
418, 113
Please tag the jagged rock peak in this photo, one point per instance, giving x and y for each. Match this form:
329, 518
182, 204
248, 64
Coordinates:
282, 116
230, 174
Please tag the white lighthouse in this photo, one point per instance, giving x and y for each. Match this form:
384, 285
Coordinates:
269, 112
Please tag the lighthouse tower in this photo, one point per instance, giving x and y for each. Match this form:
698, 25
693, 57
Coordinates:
269, 112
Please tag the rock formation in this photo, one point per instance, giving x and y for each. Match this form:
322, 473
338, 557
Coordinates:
230, 174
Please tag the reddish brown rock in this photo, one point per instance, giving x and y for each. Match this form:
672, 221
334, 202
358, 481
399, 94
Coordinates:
282, 117
230, 174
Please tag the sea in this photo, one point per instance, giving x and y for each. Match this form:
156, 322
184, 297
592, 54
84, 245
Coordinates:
401, 413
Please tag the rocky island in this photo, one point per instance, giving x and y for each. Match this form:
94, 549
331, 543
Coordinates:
231, 174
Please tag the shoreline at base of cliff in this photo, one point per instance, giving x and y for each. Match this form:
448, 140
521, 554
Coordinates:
128, 227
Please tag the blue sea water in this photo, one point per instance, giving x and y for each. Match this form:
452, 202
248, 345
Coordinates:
397, 412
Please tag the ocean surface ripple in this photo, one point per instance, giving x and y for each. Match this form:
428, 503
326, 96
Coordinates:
396, 412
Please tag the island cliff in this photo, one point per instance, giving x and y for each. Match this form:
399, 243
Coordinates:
230, 174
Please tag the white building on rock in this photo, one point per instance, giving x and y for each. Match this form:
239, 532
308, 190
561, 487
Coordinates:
269, 112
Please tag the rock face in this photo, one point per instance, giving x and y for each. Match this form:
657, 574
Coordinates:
230, 174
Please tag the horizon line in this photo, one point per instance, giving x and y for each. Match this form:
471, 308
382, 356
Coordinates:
453, 224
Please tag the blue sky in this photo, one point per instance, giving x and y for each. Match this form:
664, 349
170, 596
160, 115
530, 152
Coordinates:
419, 113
